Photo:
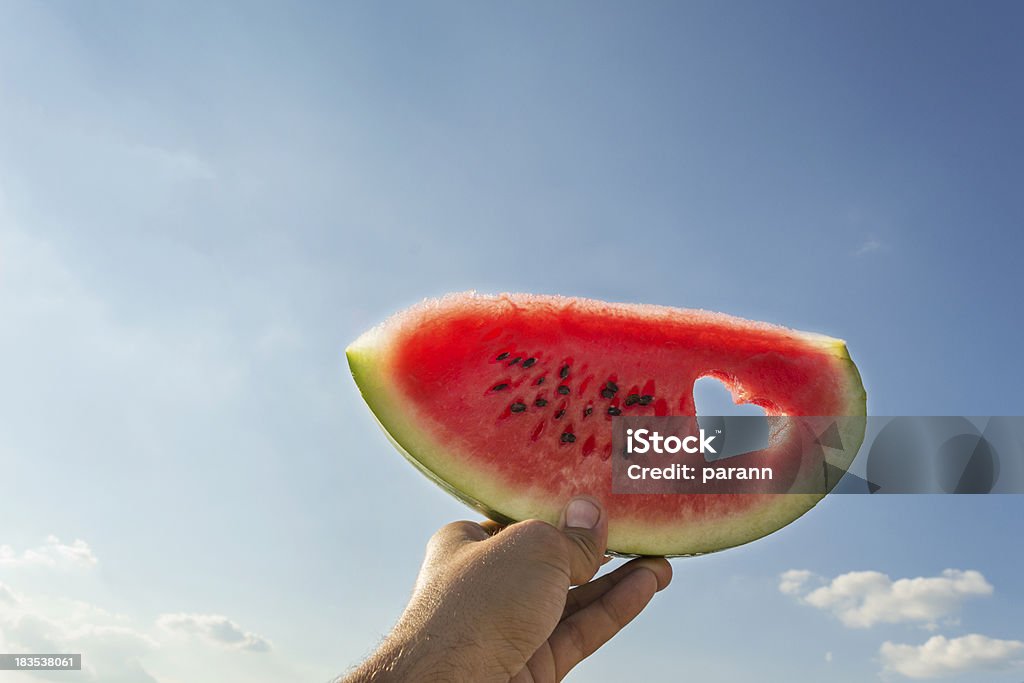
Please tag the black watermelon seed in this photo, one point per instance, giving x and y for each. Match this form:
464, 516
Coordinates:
540, 403
614, 411
564, 390
540, 380
515, 360
587, 411
528, 362
564, 372
503, 356
611, 386
500, 387
517, 407
646, 399
607, 393
559, 414
568, 437
632, 399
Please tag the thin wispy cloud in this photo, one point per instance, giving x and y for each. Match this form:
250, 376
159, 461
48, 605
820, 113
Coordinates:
215, 629
52, 553
866, 598
174, 164
7, 595
42, 294
869, 246
940, 656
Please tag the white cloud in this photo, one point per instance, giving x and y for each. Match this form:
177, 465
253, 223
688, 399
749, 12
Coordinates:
948, 657
863, 599
52, 553
828, 657
116, 649
111, 648
38, 622
793, 581
216, 629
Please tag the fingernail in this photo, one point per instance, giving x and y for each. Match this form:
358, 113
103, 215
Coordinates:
582, 514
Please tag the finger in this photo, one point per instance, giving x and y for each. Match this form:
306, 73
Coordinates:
582, 596
585, 526
540, 667
580, 635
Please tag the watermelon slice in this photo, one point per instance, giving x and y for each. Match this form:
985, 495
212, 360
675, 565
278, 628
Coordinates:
507, 402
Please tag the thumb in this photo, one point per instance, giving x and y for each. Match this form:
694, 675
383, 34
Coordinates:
584, 524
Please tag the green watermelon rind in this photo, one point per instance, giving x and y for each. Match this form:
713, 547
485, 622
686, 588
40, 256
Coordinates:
361, 365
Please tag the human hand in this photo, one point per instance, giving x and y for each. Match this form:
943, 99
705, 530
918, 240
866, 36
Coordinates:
494, 604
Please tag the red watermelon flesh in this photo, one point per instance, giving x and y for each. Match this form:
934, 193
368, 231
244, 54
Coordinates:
507, 402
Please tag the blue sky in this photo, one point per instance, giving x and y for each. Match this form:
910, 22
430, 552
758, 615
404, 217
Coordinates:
200, 206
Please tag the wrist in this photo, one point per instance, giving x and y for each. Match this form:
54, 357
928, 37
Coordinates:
419, 657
